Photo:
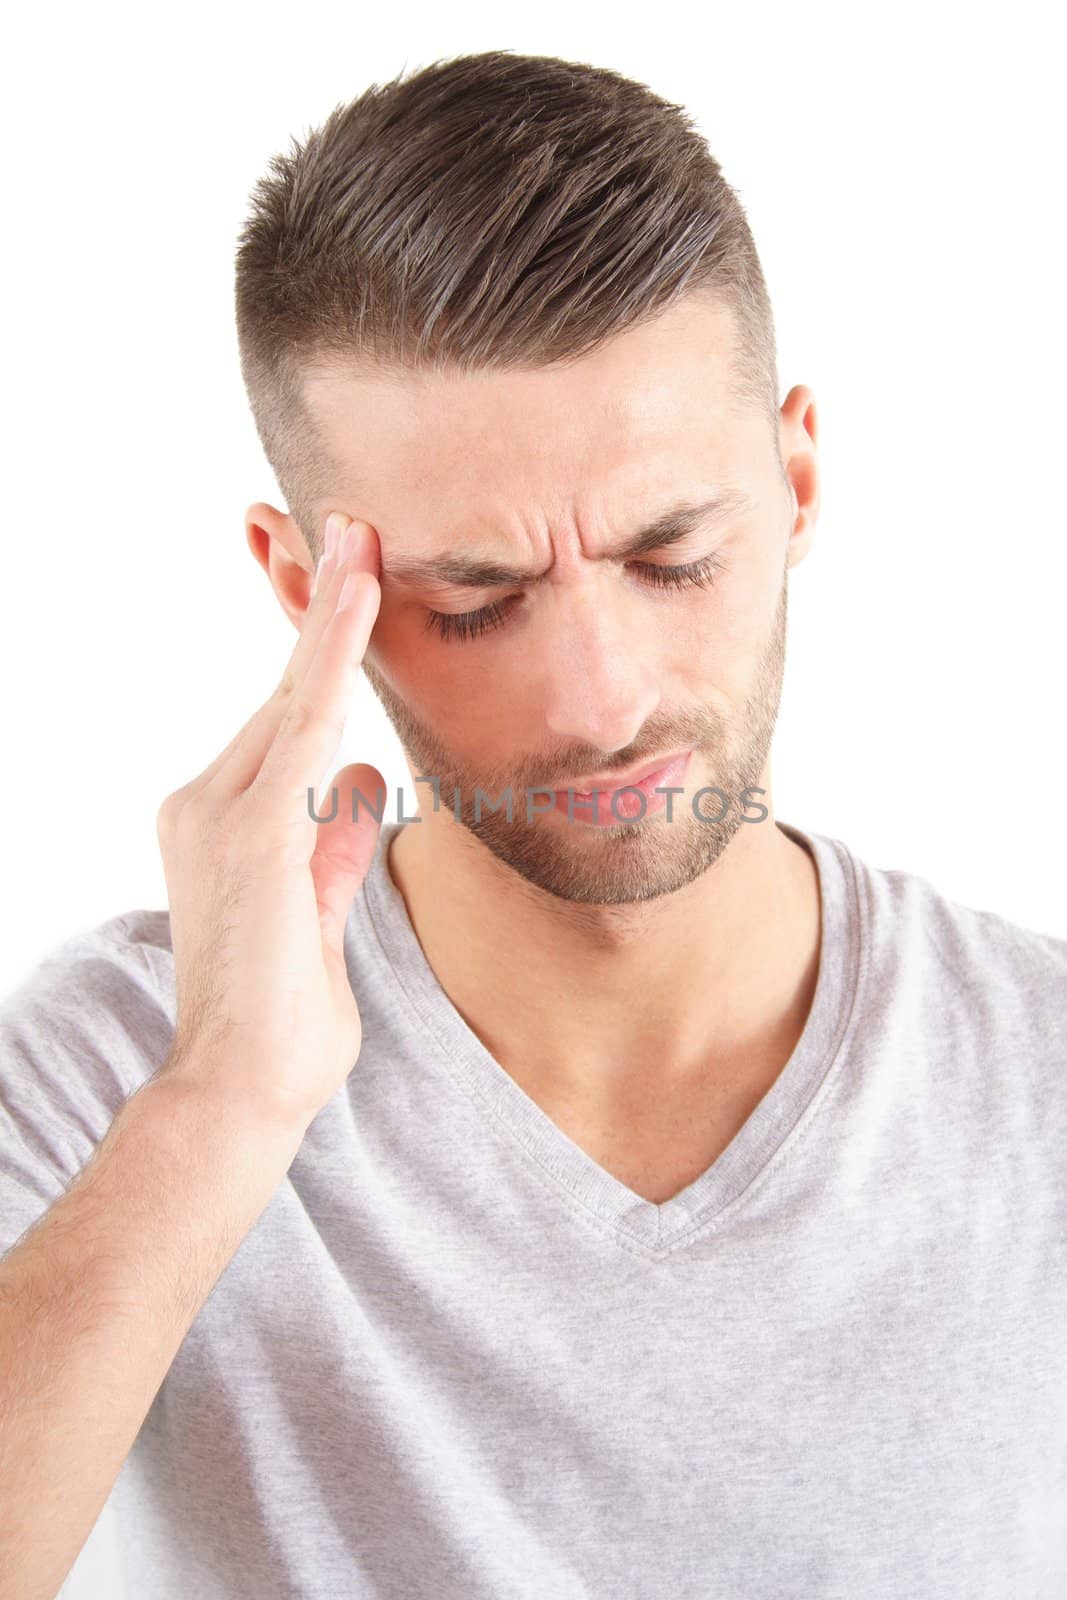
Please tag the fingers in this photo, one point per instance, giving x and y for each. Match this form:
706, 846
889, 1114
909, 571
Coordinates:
356, 550
300, 746
238, 764
344, 847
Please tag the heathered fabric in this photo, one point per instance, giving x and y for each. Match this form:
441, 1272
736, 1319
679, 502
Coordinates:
456, 1357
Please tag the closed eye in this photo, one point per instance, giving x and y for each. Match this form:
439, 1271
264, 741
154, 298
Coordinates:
469, 624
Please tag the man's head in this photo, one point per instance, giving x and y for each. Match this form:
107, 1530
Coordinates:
514, 315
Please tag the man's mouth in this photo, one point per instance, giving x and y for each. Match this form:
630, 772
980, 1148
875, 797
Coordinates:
604, 808
607, 782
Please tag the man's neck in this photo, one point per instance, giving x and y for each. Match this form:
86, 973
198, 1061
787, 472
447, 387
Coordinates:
713, 982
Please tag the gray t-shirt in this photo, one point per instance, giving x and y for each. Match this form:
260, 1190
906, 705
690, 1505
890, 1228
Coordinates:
456, 1357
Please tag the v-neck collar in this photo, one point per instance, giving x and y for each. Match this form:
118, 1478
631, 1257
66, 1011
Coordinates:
645, 1224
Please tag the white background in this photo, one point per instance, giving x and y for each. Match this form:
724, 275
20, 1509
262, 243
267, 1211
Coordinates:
902, 172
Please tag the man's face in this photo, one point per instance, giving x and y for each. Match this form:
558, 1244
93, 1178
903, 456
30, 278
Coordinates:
591, 665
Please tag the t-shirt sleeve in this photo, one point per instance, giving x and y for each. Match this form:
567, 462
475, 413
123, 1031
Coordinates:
90, 1024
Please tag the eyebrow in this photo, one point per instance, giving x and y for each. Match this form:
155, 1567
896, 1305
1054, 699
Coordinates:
473, 572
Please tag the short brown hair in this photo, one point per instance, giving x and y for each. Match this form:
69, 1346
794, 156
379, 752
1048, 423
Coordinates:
489, 211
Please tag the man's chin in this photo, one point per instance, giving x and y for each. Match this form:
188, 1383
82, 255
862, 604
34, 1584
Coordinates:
610, 865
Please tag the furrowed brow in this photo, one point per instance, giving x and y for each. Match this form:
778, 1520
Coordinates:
474, 572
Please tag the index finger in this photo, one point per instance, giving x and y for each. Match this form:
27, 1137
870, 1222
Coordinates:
297, 749
239, 762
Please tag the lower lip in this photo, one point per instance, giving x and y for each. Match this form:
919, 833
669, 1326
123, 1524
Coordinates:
596, 808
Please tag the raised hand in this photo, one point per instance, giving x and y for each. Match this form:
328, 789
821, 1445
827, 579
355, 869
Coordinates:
259, 891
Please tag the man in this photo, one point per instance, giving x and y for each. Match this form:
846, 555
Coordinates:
596, 1187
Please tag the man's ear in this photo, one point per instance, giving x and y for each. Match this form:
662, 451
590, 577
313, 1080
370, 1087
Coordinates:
277, 543
798, 442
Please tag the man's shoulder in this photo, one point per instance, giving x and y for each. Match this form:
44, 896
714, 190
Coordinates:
134, 946
87, 1024
140, 936
976, 949
103, 990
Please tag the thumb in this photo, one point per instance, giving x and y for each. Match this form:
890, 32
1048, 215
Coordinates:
343, 847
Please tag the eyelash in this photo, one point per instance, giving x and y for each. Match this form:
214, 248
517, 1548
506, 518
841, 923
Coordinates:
469, 624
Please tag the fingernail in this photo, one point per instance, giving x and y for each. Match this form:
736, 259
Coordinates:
335, 525
349, 542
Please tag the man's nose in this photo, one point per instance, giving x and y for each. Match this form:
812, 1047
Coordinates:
600, 681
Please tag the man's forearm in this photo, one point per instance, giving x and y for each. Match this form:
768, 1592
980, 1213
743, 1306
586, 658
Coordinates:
98, 1295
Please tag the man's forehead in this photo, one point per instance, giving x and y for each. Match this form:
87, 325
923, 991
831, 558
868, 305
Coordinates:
464, 564
637, 396
442, 462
